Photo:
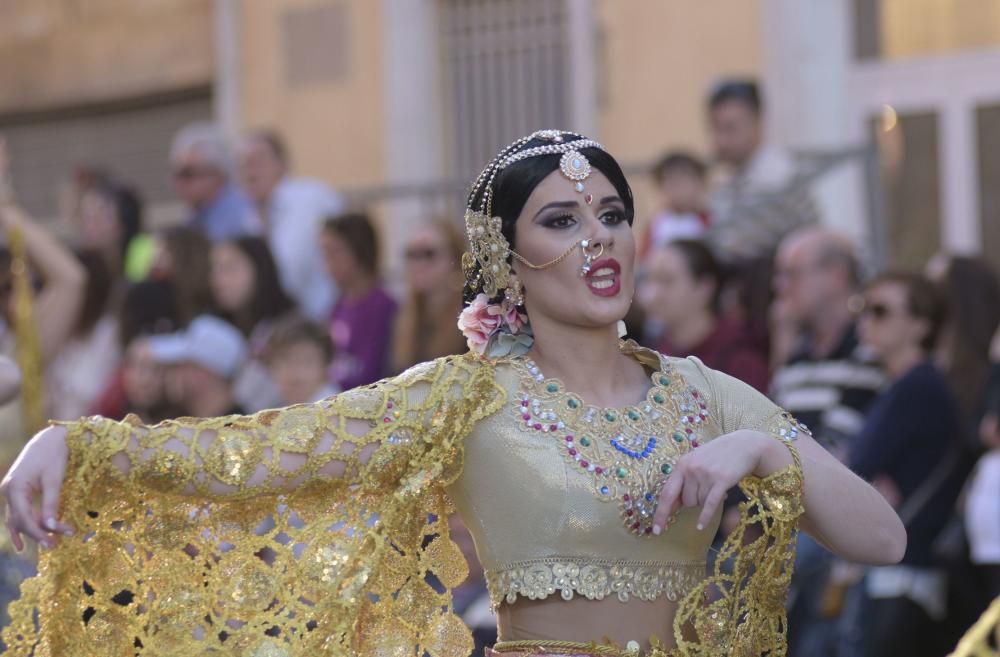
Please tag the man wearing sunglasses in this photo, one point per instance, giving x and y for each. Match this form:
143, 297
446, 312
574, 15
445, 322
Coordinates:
201, 163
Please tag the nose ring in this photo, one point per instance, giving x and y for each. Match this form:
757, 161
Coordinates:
588, 258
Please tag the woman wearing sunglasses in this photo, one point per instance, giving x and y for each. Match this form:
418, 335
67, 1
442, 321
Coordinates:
911, 448
425, 327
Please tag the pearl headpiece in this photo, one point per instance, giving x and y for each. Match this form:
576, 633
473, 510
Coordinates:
489, 248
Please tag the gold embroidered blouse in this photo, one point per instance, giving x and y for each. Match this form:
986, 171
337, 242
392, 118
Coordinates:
314, 529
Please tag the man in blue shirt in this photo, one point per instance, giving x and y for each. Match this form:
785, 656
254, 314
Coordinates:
202, 164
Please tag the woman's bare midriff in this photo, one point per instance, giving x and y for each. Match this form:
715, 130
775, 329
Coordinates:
583, 620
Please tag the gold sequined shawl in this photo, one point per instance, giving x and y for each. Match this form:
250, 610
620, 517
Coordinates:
315, 530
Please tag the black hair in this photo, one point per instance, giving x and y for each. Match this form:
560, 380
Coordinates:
96, 293
297, 330
269, 299
149, 308
924, 300
514, 184
701, 264
675, 161
128, 209
358, 232
736, 90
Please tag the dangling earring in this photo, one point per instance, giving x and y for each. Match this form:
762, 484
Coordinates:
515, 291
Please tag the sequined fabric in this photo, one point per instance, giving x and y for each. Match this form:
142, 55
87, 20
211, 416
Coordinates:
547, 522
320, 530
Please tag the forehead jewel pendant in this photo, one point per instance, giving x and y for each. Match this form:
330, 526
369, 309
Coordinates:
576, 167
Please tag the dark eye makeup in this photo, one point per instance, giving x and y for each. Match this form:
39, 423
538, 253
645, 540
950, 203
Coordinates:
611, 217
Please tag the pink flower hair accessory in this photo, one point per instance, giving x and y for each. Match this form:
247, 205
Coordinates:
495, 329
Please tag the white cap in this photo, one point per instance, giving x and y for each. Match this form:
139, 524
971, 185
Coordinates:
208, 341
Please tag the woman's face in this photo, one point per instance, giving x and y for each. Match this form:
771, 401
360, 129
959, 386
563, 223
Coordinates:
555, 218
669, 291
340, 261
142, 376
430, 265
886, 324
99, 227
233, 277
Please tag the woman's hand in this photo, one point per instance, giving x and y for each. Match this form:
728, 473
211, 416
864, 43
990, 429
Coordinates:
703, 476
37, 472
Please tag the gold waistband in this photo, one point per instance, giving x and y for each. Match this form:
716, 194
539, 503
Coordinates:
594, 579
570, 649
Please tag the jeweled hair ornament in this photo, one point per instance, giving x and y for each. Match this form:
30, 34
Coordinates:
489, 248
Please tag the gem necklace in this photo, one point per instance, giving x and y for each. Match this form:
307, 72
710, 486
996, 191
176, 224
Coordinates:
627, 452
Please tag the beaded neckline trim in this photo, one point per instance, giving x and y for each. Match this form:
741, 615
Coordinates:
628, 452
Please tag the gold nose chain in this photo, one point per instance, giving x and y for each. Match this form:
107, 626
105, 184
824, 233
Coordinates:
587, 246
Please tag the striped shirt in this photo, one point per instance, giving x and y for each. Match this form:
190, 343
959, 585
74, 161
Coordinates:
830, 395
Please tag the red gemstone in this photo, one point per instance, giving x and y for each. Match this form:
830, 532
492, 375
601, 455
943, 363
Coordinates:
552, 427
689, 431
389, 405
569, 439
626, 497
636, 525
572, 452
599, 470
584, 464
694, 443
649, 530
694, 393
386, 420
628, 512
525, 403
538, 427
526, 417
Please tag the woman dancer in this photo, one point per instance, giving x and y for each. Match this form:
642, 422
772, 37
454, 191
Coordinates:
589, 471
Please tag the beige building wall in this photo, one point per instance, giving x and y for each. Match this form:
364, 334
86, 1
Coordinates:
915, 28
656, 62
313, 69
57, 54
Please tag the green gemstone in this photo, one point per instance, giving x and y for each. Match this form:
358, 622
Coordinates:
633, 415
679, 437
585, 441
622, 472
552, 387
572, 403
658, 398
664, 381
610, 417
666, 468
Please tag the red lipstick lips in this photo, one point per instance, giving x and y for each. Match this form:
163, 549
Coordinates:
603, 279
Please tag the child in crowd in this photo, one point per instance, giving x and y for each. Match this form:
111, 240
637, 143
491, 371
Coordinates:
680, 179
299, 353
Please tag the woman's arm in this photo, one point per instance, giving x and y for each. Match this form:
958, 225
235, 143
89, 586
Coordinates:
354, 439
57, 305
841, 511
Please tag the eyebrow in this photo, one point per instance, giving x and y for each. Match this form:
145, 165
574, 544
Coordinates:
557, 204
574, 204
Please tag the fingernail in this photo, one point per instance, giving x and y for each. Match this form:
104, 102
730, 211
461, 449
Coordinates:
657, 529
50, 524
700, 526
